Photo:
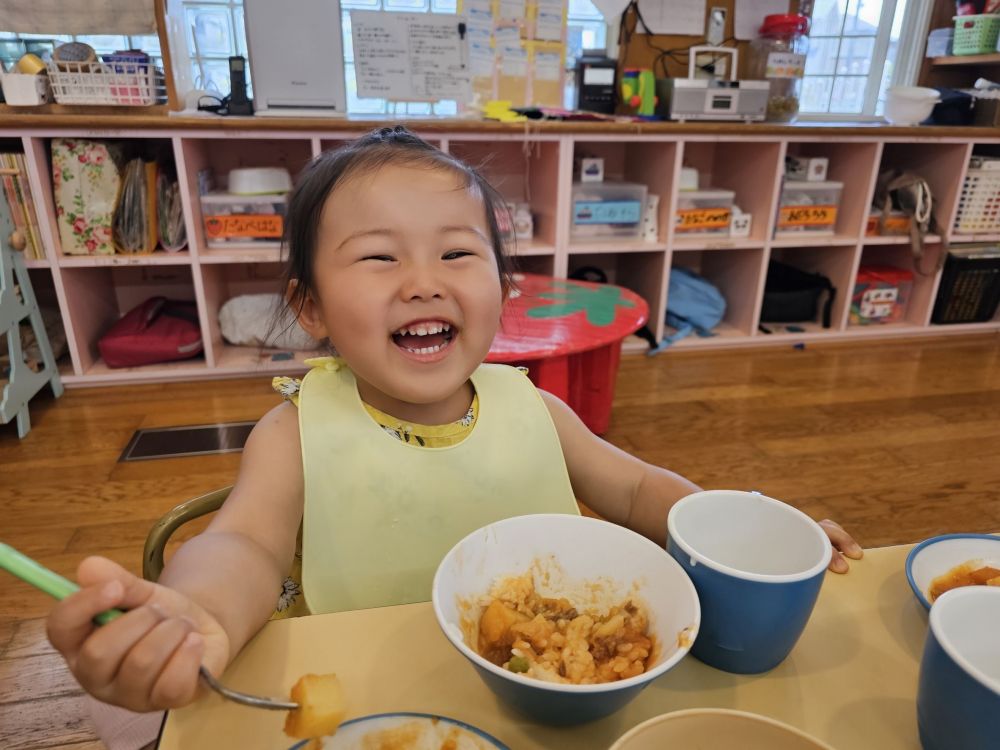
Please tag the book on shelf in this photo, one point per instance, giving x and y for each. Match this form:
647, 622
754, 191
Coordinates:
17, 194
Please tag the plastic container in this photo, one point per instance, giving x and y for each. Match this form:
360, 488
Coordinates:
241, 219
607, 209
970, 285
896, 224
940, 43
976, 35
881, 295
23, 90
704, 213
779, 56
979, 201
808, 207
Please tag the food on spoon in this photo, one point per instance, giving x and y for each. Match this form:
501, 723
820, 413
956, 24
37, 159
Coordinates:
321, 709
972, 573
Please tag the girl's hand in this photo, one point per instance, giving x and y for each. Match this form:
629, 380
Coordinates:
145, 660
843, 545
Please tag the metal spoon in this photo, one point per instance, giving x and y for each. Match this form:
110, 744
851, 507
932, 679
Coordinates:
56, 586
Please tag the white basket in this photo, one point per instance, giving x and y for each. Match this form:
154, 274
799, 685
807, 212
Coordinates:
119, 84
979, 203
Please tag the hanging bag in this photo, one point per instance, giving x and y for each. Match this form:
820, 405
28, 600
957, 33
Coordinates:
158, 330
909, 193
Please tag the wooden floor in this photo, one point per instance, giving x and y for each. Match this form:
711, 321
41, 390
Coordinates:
898, 441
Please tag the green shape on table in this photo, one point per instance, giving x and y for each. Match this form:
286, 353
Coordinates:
600, 304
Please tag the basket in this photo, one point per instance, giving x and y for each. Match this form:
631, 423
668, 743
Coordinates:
970, 286
979, 202
117, 84
976, 35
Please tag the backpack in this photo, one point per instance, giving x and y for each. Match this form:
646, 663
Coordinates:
791, 295
694, 305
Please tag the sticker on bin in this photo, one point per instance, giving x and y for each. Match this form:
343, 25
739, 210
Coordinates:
607, 212
878, 303
700, 219
806, 216
255, 226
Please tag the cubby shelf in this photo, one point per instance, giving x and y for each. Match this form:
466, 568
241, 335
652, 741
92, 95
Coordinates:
536, 168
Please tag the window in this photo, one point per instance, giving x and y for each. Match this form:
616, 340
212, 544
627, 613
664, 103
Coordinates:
854, 55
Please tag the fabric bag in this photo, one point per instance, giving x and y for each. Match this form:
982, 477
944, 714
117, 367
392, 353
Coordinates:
694, 305
791, 295
158, 330
909, 193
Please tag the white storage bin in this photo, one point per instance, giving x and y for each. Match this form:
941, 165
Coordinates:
23, 90
704, 213
607, 209
808, 207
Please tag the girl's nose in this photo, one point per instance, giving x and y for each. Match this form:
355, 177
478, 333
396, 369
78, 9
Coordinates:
421, 283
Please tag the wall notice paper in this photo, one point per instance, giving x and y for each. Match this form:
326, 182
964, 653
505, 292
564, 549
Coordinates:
514, 62
409, 56
548, 26
683, 17
512, 9
749, 15
611, 9
548, 66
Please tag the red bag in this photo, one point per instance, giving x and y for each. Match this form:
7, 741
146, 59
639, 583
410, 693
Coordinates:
158, 330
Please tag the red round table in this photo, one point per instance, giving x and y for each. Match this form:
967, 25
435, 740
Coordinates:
569, 336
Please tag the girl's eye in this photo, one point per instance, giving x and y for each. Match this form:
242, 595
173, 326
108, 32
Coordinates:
385, 258
456, 254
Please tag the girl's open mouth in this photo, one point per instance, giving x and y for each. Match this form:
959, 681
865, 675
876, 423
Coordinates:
424, 337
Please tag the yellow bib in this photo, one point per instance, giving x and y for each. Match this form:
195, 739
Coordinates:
380, 514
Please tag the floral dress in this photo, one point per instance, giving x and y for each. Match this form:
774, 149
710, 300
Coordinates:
291, 602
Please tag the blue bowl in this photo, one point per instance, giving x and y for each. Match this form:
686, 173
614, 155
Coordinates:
436, 730
958, 696
592, 563
757, 565
938, 555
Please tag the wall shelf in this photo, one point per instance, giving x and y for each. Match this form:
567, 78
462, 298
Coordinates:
533, 166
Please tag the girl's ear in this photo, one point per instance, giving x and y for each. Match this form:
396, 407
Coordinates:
308, 315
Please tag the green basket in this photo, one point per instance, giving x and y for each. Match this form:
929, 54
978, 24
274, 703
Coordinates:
976, 35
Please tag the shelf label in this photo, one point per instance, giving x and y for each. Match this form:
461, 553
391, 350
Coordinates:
806, 216
607, 212
696, 219
252, 226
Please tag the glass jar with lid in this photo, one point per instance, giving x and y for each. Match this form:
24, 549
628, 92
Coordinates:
778, 55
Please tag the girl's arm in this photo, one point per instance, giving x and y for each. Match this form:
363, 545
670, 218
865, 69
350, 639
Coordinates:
632, 493
216, 592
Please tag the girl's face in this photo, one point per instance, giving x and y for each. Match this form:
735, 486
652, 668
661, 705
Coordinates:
406, 287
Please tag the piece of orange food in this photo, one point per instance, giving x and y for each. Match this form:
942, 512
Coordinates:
550, 639
971, 573
321, 709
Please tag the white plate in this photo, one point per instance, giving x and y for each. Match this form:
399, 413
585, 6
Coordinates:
410, 730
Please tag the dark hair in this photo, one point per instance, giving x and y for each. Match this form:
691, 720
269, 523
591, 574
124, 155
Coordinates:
369, 153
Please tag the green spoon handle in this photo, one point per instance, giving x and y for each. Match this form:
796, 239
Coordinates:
43, 579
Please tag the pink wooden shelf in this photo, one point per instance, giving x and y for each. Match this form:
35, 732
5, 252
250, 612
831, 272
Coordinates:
808, 239
159, 258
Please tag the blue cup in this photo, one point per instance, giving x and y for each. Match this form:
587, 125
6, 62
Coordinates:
757, 565
958, 698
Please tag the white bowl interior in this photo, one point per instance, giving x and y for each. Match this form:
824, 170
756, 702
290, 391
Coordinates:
936, 559
964, 622
716, 728
749, 533
422, 733
570, 554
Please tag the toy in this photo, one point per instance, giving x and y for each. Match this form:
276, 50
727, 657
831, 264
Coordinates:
639, 91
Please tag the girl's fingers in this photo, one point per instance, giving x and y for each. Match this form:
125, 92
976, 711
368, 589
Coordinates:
837, 563
145, 662
71, 620
102, 654
136, 591
841, 540
177, 684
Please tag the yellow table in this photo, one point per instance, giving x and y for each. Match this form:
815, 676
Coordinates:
851, 680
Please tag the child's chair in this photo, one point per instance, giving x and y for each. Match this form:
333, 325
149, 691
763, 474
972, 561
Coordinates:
156, 540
